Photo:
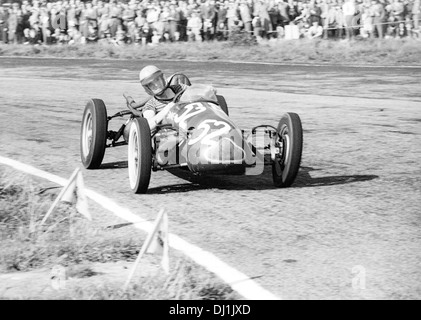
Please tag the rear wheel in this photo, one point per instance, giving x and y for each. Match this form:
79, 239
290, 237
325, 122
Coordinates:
139, 155
289, 143
93, 134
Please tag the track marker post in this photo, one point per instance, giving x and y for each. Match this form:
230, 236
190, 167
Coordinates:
75, 183
156, 241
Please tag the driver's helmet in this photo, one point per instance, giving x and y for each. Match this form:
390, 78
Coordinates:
152, 79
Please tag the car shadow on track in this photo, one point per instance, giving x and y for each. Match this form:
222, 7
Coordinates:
304, 179
260, 182
114, 165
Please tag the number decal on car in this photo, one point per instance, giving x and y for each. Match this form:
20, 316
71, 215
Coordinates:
207, 138
198, 108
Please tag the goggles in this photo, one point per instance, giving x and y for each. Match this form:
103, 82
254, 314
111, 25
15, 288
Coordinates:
155, 83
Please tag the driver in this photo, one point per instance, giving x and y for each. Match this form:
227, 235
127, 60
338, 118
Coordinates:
162, 93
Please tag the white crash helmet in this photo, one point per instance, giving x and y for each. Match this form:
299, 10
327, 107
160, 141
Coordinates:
152, 80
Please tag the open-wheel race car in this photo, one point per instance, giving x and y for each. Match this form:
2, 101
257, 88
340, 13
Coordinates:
195, 133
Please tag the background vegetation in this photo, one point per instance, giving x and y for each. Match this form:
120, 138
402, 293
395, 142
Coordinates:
243, 48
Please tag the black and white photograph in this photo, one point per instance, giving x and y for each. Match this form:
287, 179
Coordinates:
210, 153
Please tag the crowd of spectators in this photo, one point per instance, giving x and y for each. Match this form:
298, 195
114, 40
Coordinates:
154, 21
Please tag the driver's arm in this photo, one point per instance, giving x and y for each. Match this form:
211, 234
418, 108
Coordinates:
139, 104
154, 119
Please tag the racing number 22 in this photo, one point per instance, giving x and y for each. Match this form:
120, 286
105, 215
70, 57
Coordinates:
188, 114
207, 138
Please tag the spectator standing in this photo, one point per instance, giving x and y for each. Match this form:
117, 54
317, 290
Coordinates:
104, 26
349, 10
128, 16
45, 24
101, 9
324, 6
71, 15
237, 25
105, 22
303, 20
334, 21
378, 13
257, 28
140, 22
416, 11
245, 15
395, 14
115, 18
3, 25
232, 14
54, 35
194, 26
315, 12
12, 22
274, 15
366, 29
408, 17
340, 18
34, 16
221, 21
330, 21
61, 22
292, 10
208, 12
182, 27
78, 12
83, 21
120, 35
283, 13
34, 34
173, 22
161, 25
164, 18
152, 17
261, 10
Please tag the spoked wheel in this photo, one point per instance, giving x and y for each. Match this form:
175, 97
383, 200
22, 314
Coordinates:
139, 155
289, 143
93, 134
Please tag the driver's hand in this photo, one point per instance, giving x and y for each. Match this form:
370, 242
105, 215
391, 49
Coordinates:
130, 100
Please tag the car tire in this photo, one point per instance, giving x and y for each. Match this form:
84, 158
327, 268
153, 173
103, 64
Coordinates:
290, 142
93, 134
139, 155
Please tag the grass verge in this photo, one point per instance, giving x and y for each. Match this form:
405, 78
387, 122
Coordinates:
361, 52
69, 240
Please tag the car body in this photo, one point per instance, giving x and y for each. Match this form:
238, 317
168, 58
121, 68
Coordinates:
196, 134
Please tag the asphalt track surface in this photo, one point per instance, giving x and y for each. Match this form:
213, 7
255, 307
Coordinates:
349, 227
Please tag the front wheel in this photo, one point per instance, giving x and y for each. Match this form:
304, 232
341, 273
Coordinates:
139, 155
93, 134
289, 143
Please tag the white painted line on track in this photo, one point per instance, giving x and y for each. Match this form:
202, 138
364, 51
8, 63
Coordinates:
238, 281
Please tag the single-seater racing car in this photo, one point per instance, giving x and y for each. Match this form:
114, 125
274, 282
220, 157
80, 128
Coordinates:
194, 133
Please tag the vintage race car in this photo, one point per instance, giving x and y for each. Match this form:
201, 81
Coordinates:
196, 134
